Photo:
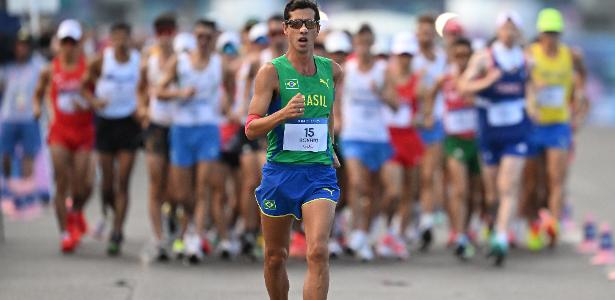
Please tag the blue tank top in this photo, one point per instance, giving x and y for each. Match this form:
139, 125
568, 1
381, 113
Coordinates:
502, 114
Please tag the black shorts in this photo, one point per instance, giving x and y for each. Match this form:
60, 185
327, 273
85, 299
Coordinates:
156, 139
113, 135
239, 144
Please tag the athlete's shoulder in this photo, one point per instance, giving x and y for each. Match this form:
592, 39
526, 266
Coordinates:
267, 72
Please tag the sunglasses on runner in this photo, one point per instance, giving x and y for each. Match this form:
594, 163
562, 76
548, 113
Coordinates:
298, 23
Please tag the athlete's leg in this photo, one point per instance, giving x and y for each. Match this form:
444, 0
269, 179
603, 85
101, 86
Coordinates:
409, 190
318, 221
276, 232
83, 173
216, 182
391, 177
529, 189
458, 179
157, 167
125, 164
557, 166
358, 177
61, 160
182, 193
202, 185
429, 164
249, 181
106, 162
490, 176
508, 183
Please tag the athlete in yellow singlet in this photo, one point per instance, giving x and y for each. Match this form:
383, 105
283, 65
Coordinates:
556, 97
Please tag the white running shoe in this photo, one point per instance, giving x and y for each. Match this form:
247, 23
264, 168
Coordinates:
357, 240
193, 247
335, 249
365, 254
225, 249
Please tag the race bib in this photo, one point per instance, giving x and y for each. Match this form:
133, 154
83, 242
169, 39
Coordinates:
553, 96
66, 102
402, 118
460, 121
308, 135
21, 101
505, 113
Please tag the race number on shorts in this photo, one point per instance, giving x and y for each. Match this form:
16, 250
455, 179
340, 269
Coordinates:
306, 135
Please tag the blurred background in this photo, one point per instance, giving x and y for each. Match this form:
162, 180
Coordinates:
590, 25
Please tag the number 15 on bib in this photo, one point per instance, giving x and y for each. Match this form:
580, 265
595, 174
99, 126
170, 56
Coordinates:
306, 135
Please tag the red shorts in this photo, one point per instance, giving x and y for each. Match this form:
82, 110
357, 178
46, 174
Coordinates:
71, 137
407, 147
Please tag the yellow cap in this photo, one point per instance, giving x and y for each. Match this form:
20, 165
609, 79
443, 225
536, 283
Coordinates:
550, 20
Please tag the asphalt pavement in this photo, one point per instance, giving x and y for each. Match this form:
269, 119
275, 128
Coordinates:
31, 266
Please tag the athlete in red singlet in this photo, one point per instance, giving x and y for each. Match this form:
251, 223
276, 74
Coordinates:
71, 134
401, 169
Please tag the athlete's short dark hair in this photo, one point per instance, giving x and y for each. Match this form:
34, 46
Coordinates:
462, 41
293, 5
165, 20
365, 28
427, 19
206, 23
121, 26
276, 18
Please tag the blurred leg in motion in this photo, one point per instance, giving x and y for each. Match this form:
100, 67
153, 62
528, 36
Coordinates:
276, 232
318, 221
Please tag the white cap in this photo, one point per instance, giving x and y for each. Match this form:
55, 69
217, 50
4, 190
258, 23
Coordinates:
257, 31
227, 37
404, 43
510, 15
324, 20
69, 29
338, 41
184, 41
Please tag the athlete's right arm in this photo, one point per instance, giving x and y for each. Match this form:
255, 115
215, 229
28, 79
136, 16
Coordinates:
471, 81
39, 91
142, 92
265, 85
430, 100
165, 91
89, 82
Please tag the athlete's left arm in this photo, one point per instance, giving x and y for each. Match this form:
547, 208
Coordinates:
388, 93
530, 87
228, 84
338, 78
92, 74
580, 106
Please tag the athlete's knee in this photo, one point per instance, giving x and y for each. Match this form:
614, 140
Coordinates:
275, 258
318, 253
358, 184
